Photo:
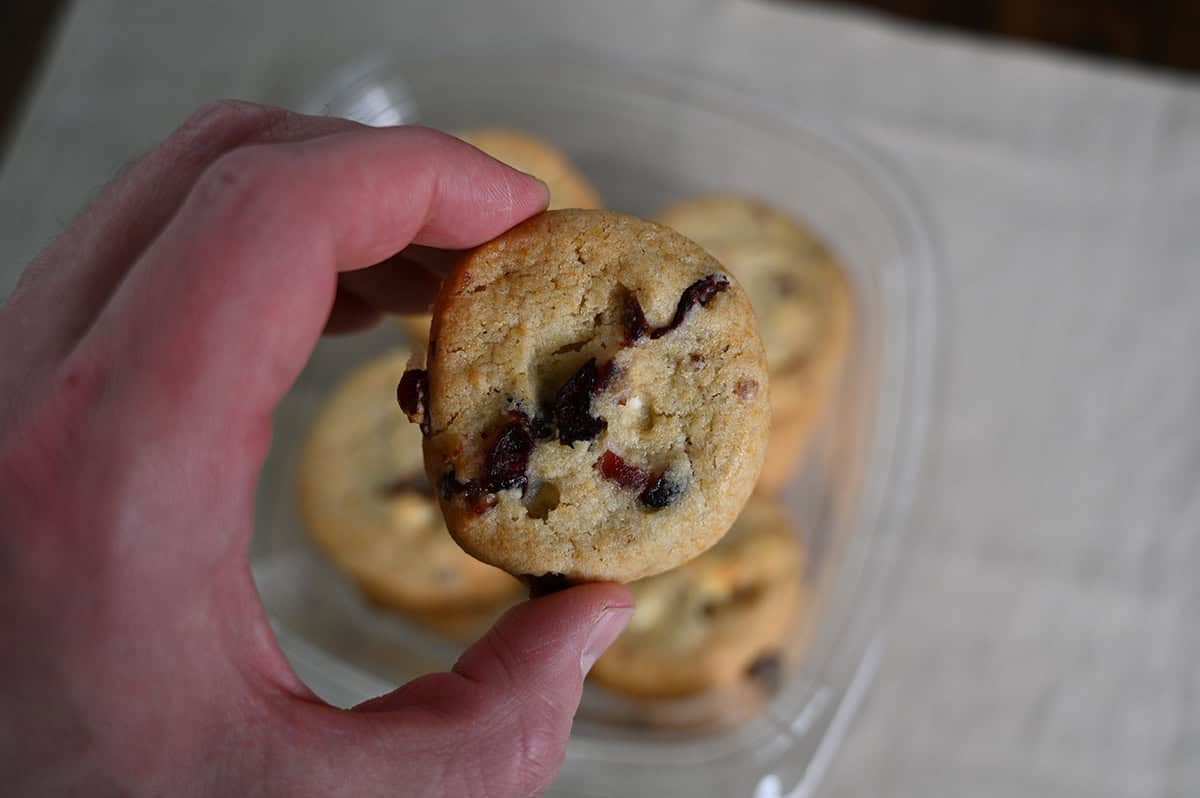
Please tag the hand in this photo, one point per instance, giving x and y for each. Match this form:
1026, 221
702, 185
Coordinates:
140, 360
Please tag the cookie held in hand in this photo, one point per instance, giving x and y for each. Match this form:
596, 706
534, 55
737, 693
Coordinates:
596, 399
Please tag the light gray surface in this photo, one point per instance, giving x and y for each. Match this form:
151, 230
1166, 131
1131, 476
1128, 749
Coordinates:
1046, 638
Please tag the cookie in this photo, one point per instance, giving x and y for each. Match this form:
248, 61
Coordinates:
365, 501
720, 618
532, 155
803, 301
595, 399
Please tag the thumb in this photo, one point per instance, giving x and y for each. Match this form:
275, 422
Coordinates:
497, 724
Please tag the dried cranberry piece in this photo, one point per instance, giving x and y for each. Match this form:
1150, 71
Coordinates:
698, 293
634, 320
663, 492
505, 464
656, 492
508, 457
545, 584
573, 407
614, 468
606, 372
413, 396
475, 497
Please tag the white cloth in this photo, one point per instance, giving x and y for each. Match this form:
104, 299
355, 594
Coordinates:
1046, 640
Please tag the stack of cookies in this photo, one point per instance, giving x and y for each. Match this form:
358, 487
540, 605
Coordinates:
595, 406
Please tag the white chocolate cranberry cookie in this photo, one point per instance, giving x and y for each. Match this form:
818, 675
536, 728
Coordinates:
722, 617
802, 298
595, 401
366, 502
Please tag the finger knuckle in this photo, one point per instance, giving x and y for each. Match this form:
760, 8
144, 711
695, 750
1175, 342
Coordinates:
241, 179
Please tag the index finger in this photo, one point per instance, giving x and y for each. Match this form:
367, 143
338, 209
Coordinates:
221, 312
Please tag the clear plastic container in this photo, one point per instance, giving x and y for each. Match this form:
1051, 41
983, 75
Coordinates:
646, 139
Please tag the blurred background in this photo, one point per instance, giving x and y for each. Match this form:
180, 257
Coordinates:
1161, 33
1045, 639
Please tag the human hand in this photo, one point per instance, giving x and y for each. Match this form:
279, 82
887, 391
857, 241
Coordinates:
140, 360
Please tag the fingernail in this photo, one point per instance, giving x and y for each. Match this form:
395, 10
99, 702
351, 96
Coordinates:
604, 631
544, 184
